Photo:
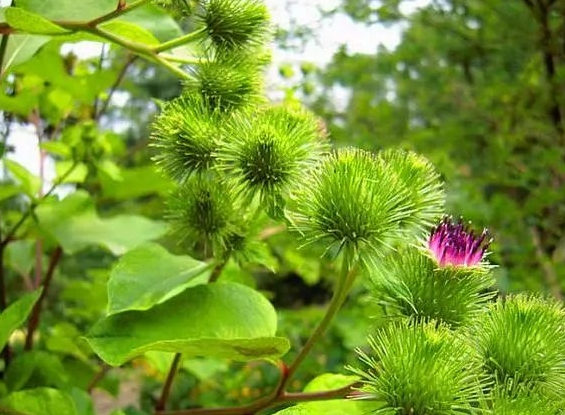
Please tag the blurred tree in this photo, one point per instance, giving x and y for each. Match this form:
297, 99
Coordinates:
477, 86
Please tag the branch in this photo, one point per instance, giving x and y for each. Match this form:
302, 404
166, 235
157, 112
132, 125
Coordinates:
260, 404
160, 406
340, 294
217, 271
36, 312
115, 86
98, 377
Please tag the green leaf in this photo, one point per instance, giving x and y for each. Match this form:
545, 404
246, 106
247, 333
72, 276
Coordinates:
22, 104
130, 31
31, 23
136, 182
77, 175
15, 315
34, 369
8, 190
224, 320
74, 223
57, 148
20, 48
149, 275
29, 183
20, 255
39, 401
150, 17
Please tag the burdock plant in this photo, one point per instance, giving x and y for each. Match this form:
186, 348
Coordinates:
445, 346
443, 278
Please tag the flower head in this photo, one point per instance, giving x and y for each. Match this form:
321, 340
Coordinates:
456, 244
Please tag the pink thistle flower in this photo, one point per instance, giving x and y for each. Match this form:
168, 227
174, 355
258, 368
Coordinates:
456, 244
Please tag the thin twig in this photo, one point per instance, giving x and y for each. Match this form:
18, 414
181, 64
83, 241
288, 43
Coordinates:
130, 60
36, 311
162, 403
217, 271
104, 369
283, 398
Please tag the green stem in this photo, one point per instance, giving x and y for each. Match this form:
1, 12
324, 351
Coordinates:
179, 41
346, 279
168, 383
174, 69
187, 61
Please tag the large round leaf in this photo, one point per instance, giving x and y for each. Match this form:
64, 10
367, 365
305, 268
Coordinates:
74, 223
224, 320
40, 401
148, 275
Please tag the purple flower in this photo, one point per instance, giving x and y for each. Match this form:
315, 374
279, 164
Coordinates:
456, 244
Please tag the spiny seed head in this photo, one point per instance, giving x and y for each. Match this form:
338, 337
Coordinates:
185, 134
522, 341
351, 200
519, 400
236, 24
203, 211
424, 187
228, 83
409, 282
267, 152
455, 244
420, 369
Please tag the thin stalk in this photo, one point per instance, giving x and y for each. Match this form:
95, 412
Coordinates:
130, 60
172, 68
187, 61
341, 291
181, 40
98, 377
36, 312
257, 406
217, 271
162, 403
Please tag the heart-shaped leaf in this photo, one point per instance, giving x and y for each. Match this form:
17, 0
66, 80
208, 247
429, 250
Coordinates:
148, 275
224, 320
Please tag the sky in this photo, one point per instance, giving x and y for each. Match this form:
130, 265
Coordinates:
329, 35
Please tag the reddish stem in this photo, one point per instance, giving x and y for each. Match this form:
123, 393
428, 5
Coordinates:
36, 312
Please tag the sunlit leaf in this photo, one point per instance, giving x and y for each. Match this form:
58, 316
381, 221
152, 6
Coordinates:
148, 275
224, 320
